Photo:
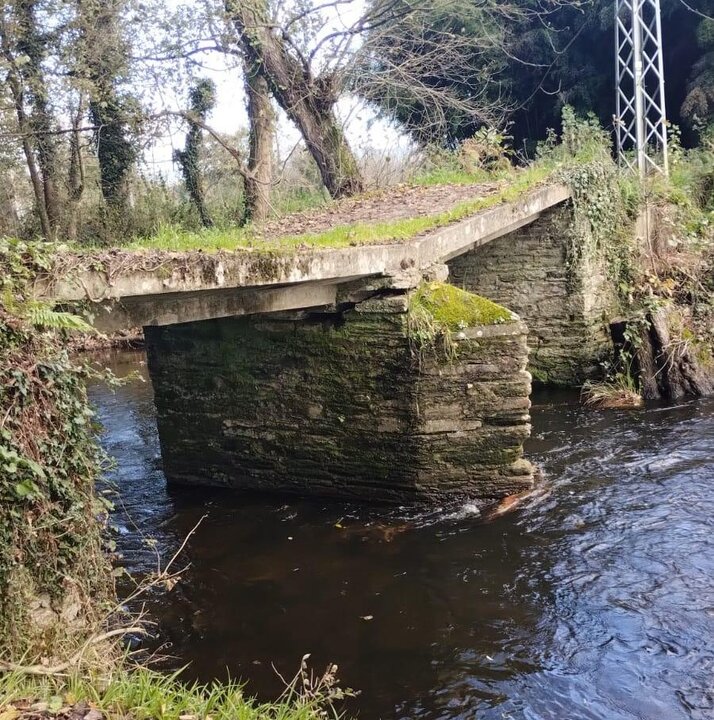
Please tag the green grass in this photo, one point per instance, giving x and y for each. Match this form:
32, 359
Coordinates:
142, 694
170, 238
452, 176
298, 201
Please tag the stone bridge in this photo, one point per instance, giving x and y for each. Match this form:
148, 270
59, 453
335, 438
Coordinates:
308, 371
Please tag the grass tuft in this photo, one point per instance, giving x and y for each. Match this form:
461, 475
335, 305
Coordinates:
618, 394
143, 694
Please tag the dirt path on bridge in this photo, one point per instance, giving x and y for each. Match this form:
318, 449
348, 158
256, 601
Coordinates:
399, 202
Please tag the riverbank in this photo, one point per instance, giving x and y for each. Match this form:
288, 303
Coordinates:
137, 693
63, 631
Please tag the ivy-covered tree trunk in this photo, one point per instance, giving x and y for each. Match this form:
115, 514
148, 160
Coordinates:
103, 62
259, 175
202, 98
308, 101
24, 48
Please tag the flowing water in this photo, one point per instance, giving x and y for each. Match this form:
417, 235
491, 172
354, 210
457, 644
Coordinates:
595, 600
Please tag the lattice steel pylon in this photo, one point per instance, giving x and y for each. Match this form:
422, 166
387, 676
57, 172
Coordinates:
641, 117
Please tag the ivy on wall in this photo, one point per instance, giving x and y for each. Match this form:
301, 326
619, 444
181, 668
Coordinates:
54, 573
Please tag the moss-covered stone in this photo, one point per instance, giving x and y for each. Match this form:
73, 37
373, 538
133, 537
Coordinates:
455, 309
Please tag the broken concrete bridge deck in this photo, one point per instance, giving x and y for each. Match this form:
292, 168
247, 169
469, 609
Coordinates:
134, 288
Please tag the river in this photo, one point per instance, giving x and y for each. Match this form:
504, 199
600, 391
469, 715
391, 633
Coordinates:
593, 601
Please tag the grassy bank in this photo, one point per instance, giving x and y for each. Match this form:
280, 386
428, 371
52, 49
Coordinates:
142, 694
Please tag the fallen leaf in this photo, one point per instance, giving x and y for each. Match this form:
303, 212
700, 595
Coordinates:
9, 713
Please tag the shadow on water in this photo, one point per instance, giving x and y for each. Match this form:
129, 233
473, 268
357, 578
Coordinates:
595, 600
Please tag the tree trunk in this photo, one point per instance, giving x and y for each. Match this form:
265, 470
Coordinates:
102, 62
259, 175
671, 368
27, 86
308, 101
75, 178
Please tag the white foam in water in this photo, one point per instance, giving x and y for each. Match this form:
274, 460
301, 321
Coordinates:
468, 510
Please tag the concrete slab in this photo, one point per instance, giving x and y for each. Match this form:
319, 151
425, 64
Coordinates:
167, 288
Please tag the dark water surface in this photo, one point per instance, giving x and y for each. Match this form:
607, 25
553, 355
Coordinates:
596, 600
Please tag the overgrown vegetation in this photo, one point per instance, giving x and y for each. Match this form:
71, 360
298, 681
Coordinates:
666, 273
360, 233
54, 573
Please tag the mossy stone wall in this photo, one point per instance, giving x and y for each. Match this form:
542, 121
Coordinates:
555, 281
340, 405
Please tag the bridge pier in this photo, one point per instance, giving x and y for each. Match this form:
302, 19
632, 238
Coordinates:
343, 404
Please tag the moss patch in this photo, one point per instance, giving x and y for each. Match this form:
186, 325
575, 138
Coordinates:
455, 309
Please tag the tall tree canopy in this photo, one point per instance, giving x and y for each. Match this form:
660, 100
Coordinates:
542, 55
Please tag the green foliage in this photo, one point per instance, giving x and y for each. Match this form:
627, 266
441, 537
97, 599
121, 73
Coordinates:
485, 156
582, 139
141, 694
50, 540
606, 201
698, 105
527, 61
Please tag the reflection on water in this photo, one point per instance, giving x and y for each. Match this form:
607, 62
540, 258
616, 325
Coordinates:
594, 601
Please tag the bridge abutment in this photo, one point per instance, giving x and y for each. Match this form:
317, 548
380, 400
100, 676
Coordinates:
354, 403
545, 273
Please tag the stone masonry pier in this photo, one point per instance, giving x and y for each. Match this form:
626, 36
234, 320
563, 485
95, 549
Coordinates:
341, 405
565, 306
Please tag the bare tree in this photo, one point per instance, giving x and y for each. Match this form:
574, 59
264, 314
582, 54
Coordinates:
401, 53
307, 99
